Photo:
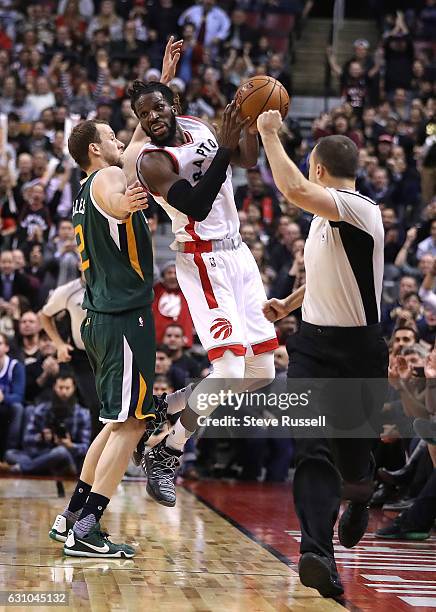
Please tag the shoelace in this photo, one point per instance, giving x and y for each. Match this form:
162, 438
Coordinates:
161, 410
164, 469
105, 536
102, 532
160, 418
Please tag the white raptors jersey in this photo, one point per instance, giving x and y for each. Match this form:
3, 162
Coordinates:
190, 161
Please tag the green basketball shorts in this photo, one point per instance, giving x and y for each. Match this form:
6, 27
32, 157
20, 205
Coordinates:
122, 351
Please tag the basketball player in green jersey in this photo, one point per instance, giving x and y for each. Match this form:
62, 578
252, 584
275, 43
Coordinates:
114, 243
118, 331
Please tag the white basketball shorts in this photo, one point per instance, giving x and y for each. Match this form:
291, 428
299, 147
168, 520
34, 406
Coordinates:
225, 295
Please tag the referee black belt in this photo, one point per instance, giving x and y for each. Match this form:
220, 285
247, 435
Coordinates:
327, 331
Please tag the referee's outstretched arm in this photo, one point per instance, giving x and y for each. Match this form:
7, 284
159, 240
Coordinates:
275, 309
311, 194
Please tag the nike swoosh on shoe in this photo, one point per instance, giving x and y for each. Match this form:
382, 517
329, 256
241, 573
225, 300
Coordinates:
100, 549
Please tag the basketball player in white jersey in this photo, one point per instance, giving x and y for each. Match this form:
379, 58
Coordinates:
186, 166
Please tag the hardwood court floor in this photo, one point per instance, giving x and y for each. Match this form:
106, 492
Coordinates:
189, 557
378, 575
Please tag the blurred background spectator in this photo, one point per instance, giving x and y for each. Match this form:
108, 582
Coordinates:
170, 305
56, 436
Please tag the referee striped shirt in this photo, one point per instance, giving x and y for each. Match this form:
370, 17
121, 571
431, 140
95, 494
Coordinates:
344, 264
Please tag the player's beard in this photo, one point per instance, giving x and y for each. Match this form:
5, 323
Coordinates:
118, 161
168, 139
114, 160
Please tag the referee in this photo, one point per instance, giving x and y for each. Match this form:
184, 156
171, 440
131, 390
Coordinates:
69, 298
340, 337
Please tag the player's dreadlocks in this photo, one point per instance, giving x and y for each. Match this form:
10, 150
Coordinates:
139, 88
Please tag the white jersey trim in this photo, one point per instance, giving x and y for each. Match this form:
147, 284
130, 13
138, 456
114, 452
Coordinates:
100, 210
113, 221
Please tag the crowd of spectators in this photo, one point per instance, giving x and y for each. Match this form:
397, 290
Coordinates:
60, 61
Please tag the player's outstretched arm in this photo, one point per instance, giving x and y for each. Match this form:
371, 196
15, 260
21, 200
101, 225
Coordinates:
288, 178
111, 193
170, 60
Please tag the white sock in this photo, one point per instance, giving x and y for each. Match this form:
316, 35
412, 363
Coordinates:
178, 436
178, 400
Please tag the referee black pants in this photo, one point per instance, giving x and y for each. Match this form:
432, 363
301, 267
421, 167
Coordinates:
87, 392
324, 465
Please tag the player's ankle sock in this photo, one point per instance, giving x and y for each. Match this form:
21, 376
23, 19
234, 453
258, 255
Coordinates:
92, 511
77, 501
178, 400
71, 516
178, 436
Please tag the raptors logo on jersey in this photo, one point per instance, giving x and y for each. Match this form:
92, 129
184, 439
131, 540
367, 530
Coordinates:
221, 329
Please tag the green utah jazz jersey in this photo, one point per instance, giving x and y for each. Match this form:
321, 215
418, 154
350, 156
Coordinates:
117, 256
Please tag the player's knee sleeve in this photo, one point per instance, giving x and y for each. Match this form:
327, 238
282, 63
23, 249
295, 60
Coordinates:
228, 375
228, 366
260, 370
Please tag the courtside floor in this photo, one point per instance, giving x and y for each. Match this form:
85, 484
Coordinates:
224, 547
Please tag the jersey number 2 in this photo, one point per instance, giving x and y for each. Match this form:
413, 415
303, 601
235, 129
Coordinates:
78, 231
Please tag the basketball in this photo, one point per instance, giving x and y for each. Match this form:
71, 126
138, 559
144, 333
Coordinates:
260, 94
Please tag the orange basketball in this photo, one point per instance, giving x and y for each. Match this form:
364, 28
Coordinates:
259, 94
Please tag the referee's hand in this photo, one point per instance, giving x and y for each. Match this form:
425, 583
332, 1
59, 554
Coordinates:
63, 352
274, 309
